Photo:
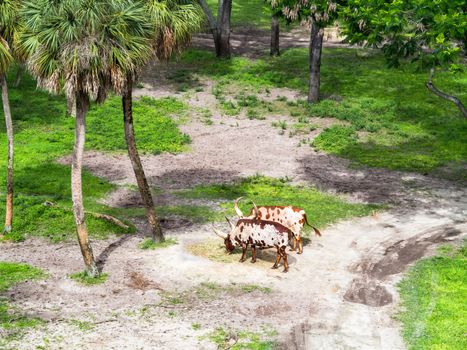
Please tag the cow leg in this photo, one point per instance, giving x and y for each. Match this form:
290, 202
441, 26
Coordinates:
284, 256
244, 247
294, 244
253, 253
278, 259
300, 245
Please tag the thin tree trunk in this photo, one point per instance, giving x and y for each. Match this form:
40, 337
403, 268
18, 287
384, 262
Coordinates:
9, 131
71, 106
274, 36
316, 47
82, 106
19, 75
441, 94
223, 29
143, 186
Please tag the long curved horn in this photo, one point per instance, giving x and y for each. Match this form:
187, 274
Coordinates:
255, 208
232, 226
237, 209
219, 233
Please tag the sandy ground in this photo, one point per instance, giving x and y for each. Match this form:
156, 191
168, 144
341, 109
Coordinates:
340, 294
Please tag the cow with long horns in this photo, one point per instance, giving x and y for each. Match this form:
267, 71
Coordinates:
291, 217
259, 234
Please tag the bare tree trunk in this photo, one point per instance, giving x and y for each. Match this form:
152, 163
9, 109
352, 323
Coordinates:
441, 94
82, 106
19, 75
223, 29
274, 36
9, 131
71, 106
143, 186
316, 47
220, 28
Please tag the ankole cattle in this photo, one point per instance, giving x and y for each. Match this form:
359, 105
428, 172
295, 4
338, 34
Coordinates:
291, 217
258, 234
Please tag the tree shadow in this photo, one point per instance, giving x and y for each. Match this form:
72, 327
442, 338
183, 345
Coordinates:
104, 255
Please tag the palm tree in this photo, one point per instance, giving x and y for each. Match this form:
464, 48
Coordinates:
85, 48
8, 30
174, 21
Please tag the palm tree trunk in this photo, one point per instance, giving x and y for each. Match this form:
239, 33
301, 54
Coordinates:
19, 75
143, 186
274, 36
316, 47
71, 106
82, 106
9, 131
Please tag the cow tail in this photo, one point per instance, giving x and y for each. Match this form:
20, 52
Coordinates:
314, 228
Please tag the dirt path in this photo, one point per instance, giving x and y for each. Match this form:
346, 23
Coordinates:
340, 294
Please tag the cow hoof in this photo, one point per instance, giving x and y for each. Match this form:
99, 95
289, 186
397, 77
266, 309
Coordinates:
292, 250
274, 267
299, 252
286, 270
252, 261
242, 260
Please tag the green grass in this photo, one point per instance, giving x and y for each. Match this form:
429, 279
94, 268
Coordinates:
12, 322
408, 127
433, 296
322, 209
243, 339
83, 278
150, 244
252, 13
43, 133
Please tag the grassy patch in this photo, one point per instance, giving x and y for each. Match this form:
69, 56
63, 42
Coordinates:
43, 133
409, 127
12, 322
322, 209
247, 13
244, 339
84, 278
433, 298
150, 244
83, 326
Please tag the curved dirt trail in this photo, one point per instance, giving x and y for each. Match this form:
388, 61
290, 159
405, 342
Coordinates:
340, 294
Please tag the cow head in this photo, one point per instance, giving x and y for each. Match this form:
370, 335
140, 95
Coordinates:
227, 236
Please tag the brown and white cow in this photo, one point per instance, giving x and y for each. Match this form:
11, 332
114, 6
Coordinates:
291, 217
259, 234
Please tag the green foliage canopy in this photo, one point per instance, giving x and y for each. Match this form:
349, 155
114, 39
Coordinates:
433, 32
321, 12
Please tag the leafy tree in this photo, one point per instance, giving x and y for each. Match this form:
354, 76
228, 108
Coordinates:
85, 48
433, 33
220, 27
173, 22
317, 14
9, 26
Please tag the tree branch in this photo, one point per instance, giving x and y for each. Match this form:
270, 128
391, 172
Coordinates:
207, 11
441, 94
